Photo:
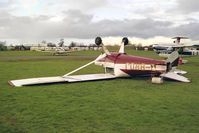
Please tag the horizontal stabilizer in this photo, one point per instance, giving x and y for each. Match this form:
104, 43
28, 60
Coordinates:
60, 79
180, 37
174, 76
181, 72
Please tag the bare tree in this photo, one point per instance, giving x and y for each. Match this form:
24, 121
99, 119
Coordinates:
50, 44
72, 44
44, 41
61, 43
3, 46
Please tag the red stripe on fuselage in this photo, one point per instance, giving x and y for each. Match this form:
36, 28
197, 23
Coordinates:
123, 59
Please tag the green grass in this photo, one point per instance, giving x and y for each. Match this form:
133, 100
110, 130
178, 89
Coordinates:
121, 105
21, 53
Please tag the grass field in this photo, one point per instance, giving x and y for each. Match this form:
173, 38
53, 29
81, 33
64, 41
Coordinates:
114, 106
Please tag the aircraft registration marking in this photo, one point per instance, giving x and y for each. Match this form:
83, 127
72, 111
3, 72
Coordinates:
132, 66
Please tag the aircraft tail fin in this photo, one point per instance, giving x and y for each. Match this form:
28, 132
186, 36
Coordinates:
172, 72
173, 59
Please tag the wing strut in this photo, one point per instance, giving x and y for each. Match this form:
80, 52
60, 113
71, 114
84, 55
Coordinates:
99, 57
79, 68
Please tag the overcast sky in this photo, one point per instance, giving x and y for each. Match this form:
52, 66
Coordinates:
144, 20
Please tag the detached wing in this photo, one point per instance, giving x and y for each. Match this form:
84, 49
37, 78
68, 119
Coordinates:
175, 76
60, 79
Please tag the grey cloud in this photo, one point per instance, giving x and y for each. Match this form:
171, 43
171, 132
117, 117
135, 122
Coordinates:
5, 3
89, 3
79, 25
187, 6
191, 30
76, 16
82, 5
21, 27
8, 5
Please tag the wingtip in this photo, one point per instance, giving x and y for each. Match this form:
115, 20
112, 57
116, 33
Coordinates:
10, 83
188, 81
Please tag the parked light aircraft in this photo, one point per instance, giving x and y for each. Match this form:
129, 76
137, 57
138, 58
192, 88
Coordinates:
58, 50
118, 65
164, 50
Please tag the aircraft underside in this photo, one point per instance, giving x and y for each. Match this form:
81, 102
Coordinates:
142, 73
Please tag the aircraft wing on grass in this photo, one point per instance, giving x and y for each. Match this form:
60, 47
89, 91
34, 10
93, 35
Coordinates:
61, 79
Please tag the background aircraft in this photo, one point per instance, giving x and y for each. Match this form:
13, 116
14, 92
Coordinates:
60, 49
164, 50
118, 65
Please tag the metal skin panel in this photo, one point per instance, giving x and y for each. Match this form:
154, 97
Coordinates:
125, 65
32, 81
60, 79
123, 58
